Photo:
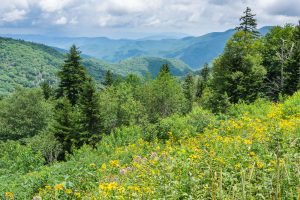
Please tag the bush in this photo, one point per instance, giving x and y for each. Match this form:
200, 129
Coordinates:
292, 105
259, 108
17, 158
46, 144
200, 119
23, 114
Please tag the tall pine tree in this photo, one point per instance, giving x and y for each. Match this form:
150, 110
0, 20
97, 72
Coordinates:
189, 91
89, 114
65, 125
72, 76
248, 23
108, 79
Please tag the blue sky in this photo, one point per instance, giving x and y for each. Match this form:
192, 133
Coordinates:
137, 18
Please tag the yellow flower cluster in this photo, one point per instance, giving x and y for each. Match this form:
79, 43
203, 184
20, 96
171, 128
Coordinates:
213, 165
9, 196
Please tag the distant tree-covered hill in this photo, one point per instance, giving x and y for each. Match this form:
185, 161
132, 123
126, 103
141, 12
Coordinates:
194, 51
28, 64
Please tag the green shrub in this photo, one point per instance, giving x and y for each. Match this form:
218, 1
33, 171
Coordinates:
292, 105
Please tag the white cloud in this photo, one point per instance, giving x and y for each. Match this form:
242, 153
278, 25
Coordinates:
53, 5
190, 16
13, 15
61, 21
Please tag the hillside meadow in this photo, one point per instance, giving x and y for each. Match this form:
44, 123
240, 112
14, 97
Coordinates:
250, 153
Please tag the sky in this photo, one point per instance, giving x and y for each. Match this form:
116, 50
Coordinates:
137, 18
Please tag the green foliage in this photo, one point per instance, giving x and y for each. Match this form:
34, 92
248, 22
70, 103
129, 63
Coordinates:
238, 72
108, 79
45, 144
216, 102
89, 114
26, 64
189, 91
140, 66
292, 105
178, 127
72, 76
17, 158
119, 107
66, 126
259, 108
162, 97
281, 69
248, 23
24, 113
48, 91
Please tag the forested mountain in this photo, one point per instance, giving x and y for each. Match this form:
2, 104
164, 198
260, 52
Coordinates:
28, 64
194, 51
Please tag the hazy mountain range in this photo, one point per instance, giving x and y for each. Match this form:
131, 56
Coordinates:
194, 51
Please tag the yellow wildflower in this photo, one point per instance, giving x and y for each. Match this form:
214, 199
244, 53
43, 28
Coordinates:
48, 187
260, 165
114, 163
247, 142
9, 195
252, 154
103, 166
77, 194
59, 187
68, 191
112, 186
93, 165
237, 166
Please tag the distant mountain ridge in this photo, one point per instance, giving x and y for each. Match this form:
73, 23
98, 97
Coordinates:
27, 64
194, 51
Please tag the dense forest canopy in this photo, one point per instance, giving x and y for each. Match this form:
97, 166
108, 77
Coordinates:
228, 131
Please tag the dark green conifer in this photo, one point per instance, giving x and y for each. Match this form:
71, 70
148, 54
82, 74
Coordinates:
189, 91
248, 23
89, 114
109, 78
47, 89
72, 76
165, 69
65, 126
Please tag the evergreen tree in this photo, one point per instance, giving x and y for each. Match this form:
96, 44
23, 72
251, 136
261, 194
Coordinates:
200, 87
238, 72
89, 114
189, 91
165, 69
204, 73
248, 23
202, 81
65, 125
108, 79
133, 80
47, 89
72, 76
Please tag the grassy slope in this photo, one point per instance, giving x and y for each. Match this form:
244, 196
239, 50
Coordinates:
253, 154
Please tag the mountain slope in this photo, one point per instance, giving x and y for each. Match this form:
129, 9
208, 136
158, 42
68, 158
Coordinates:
194, 51
28, 64
140, 66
